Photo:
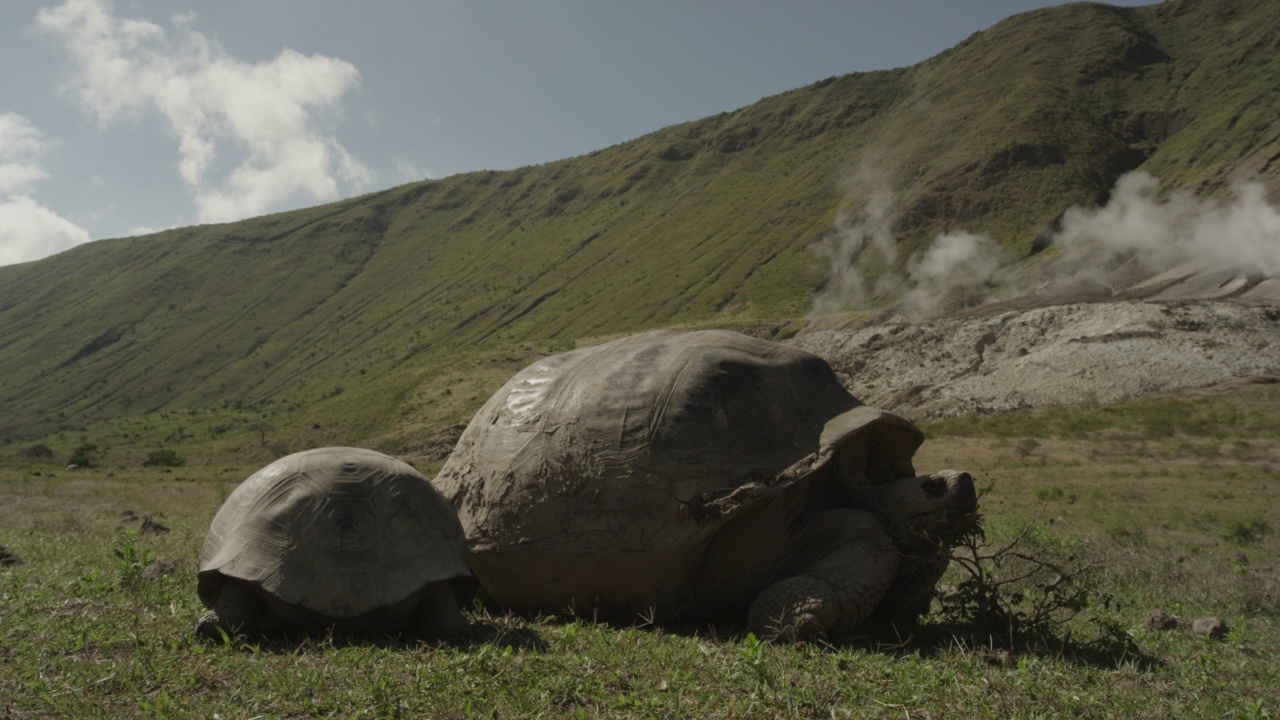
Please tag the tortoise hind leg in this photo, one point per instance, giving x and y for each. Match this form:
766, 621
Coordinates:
237, 611
844, 564
437, 615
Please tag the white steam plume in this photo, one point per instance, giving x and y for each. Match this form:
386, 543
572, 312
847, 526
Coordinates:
1241, 233
857, 228
954, 262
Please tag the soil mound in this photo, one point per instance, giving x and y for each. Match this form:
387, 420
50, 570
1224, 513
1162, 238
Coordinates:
1050, 355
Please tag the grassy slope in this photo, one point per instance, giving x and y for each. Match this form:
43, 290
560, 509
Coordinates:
359, 315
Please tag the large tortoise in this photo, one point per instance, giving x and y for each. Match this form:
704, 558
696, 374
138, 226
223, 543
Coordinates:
336, 537
700, 474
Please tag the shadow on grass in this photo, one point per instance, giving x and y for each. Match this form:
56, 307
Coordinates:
1111, 649
492, 627
484, 631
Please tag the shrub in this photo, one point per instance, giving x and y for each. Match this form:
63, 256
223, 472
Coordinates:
38, 451
1049, 492
131, 559
1246, 530
164, 458
1014, 597
83, 455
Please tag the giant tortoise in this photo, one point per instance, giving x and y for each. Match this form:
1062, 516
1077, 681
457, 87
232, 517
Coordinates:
336, 537
701, 474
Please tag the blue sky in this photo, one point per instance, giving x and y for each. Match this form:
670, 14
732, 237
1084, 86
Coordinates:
120, 118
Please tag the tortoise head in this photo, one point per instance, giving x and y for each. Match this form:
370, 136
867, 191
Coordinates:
925, 512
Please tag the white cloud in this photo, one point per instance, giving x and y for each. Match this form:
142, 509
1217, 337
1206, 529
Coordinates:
269, 115
29, 231
20, 145
408, 171
18, 177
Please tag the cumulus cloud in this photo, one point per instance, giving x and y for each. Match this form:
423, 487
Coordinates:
408, 171
269, 117
28, 230
21, 144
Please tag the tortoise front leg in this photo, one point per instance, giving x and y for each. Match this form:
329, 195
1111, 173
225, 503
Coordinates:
237, 611
843, 565
437, 615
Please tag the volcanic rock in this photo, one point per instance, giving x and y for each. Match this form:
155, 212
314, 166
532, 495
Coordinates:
1052, 355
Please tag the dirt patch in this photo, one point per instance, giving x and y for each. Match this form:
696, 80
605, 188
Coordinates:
1055, 355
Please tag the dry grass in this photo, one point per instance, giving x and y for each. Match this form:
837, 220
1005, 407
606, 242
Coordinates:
97, 620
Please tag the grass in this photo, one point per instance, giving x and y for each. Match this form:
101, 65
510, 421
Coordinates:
385, 321
97, 620
1209, 422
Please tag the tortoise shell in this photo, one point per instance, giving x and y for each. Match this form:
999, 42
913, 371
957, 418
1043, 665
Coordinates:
338, 531
612, 465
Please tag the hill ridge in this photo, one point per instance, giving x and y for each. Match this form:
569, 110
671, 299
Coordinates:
357, 305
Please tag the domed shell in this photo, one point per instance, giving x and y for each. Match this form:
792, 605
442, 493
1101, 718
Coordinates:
631, 453
339, 531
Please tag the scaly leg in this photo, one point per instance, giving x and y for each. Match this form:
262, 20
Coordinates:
238, 610
437, 615
843, 565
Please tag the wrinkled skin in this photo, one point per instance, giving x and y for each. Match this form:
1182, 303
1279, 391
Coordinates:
825, 571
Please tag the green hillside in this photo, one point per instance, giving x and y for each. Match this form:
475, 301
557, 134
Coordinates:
385, 319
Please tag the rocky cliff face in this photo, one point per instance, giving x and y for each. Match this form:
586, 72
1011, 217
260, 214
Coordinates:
1051, 354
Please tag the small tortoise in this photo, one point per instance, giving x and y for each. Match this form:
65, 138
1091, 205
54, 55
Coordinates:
696, 475
340, 538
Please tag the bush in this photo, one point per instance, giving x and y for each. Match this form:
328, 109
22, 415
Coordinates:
1049, 492
1246, 530
1017, 598
38, 451
164, 458
83, 455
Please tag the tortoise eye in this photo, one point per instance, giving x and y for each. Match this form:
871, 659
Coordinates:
934, 488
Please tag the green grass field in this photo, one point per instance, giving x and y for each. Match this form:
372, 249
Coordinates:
385, 321
97, 619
